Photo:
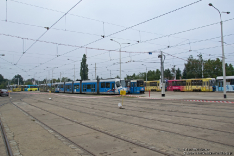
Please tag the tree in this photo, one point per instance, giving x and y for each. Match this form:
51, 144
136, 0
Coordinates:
167, 74
173, 71
28, 83
84, 68
178, 73
193, 67
229, 70
184, 74
15, 79
157, 74
3, 82
117, 77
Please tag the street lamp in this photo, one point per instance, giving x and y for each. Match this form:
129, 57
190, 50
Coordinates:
74, 68
52, 73
223, 60
119, 54
146, 71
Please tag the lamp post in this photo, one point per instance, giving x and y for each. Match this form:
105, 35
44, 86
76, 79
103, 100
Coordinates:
74, 69
223, 57
52, 73
146, 71
119, 54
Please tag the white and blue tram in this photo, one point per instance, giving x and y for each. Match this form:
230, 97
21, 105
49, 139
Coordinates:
135, 86
108, 86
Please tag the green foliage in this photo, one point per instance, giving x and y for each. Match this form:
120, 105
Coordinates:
167, 74
28, 83
15, 79
178, 74
229, 70
3, 82
84, 68
193, 67
151, 75
212, 68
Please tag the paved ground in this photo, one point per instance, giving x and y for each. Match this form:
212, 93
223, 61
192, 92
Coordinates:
74, 124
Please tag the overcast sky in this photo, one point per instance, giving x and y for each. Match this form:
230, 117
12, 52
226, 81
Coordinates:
24, 21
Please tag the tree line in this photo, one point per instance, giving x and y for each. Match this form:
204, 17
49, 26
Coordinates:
193, 68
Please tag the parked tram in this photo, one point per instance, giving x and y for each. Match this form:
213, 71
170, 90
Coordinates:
229, 83
108, 86
31, 88
192, 85
152, 86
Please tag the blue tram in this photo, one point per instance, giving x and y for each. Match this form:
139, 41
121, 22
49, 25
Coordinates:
135, 86
108, 86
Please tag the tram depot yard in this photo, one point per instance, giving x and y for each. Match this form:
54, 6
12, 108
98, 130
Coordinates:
182, 123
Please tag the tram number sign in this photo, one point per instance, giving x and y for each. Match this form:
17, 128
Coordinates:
122, 92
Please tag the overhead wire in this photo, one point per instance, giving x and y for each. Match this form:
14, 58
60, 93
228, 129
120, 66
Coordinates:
49, 28
101, 21
136, 25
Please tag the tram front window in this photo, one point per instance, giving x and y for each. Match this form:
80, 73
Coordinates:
118, 84
140, 83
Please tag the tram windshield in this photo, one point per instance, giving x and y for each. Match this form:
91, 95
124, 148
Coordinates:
123, 84
212, 82
117, 84
140, 83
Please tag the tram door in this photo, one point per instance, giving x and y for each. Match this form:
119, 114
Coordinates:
188, 85
133, 88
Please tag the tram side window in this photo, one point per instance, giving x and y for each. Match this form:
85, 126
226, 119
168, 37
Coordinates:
84, 87
103, 85
184, 83
89, 86
61, 86
153, 83
107, 85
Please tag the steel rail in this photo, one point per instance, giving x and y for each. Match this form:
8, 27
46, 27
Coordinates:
88, 152
131, 124
145, 118
160, 114
8, 147
104, 132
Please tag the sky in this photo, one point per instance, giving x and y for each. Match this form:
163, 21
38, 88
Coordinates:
177, 28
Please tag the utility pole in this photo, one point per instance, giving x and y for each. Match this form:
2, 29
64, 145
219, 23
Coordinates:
146, 74
223, 56
95, 71
202, 68
74, 73
18, 81
162, 74
52, 73
60, 77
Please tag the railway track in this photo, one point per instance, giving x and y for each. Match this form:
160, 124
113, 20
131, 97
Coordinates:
59, 134
93, 128
182, 112
157, 129
145, 118
5, 140
154, 113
